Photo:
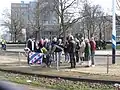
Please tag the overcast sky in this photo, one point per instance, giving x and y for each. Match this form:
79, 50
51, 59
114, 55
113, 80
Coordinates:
106, 4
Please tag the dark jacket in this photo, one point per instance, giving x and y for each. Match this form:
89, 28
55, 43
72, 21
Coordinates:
77, 46
29, 44
66, 47
72, 46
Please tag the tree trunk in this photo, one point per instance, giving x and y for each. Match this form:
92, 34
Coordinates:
104, 32
15, 38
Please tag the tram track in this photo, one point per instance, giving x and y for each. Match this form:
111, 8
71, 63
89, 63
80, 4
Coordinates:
62, 77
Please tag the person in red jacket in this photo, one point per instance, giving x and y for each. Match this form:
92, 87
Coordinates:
93, 49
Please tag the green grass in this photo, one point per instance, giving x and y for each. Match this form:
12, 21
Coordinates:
109, 46
57, 84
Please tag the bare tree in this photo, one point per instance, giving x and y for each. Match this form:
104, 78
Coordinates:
34, 20
68, 14
93, 14
14, 23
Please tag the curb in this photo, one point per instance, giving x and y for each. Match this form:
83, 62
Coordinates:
61, 77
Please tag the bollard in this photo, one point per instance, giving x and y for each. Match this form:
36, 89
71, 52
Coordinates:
19, 58
107, 63
57, 64
57, 61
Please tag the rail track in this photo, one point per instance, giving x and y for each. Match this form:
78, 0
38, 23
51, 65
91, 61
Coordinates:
61, 77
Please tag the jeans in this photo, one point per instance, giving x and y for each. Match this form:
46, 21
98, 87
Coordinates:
58, 57
67, 57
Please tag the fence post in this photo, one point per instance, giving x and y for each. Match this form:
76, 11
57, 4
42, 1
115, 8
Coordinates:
19, 58
57, 60
107, 63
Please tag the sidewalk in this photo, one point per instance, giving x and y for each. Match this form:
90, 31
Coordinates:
11, 63
98, 52
96, 73
100, 69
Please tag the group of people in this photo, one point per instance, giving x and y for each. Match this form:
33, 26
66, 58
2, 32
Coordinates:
80, 50
76, 51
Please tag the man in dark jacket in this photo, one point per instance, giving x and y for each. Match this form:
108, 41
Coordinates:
72, 49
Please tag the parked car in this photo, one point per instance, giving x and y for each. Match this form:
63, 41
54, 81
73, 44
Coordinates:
101, 44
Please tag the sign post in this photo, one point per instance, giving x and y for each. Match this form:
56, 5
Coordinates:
114, 32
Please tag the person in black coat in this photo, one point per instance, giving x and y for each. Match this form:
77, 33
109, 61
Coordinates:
77, 49
29, 44
72, 49
66, 51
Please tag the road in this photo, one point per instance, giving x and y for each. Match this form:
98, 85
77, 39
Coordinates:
22, 87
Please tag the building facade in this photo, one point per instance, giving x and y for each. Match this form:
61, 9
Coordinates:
19, 20
48, 19
41, 22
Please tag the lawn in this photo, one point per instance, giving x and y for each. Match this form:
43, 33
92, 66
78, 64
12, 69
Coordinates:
57, 84
109, 46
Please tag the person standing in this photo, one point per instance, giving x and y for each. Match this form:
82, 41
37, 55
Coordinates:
72, 49
29, 46
3, 44
87, 52
82, 50
47, 45
77, 50
93, 48
56, 50
67, 59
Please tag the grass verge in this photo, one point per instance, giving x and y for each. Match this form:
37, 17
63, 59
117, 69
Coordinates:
58, 84
109, 46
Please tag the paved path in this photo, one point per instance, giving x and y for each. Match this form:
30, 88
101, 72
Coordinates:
14, 57
98, 52
100, 68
